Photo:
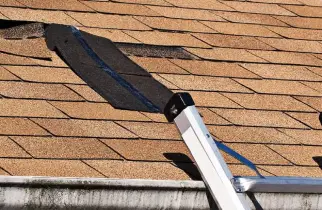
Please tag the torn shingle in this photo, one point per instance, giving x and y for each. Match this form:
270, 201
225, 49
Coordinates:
154, 51
22, 31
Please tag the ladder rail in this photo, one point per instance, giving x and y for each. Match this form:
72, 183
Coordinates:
209, 161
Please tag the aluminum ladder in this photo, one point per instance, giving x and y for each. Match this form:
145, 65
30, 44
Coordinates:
214, 171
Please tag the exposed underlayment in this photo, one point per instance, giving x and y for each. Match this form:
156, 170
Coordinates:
254, 70
107, 70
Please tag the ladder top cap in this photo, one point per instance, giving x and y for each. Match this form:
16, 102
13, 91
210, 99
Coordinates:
177, 103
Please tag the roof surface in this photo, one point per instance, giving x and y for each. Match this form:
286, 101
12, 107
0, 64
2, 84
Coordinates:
256, 76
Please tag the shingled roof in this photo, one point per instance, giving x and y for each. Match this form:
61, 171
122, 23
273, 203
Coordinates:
254, 71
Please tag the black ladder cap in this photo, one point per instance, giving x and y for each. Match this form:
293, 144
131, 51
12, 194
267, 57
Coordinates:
177, 103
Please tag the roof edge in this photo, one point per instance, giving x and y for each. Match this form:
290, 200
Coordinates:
30, 181
24, 192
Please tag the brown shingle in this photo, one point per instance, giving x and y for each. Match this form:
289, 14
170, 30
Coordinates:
305, 10
175, 24
299, 155
84, 128
314, 102
251, 135
297, 33
168, 39
165, 82
86, 110
113, 35
55, 61
45, 74
302, 22
286, 72
268, 102
6, 75
28, 108
87, 93
242, 170
11, 3
314, 85
296, 2
211, 118
311, 2
1, 35
3, 173
293, 171
38, 91
155, 117
243, 42
11, 149
158, 65
148, 150
247, 7
240, 29
51, 147
306, 137
26, 47
310, 119
279, 87
182, 13
153, 130
201, 4
38, 167
138, 170
214, 68
318, 56
257, 153
249, 18
288, 57
119, 8
258, 118
56, 5
294, 45
225, 54
190, 82
212, 99
38, 15
147, 2
15, 60
20, 126
108, 21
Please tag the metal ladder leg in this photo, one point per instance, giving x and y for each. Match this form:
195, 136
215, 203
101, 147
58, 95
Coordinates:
211, 165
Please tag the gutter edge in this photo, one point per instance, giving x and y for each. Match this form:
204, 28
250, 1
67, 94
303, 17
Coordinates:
81, 182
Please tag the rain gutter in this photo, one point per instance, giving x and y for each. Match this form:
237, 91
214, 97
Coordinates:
101, 193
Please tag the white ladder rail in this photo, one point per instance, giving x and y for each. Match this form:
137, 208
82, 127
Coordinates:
209, 161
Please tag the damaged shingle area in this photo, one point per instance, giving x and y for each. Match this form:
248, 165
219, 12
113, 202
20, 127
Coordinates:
107, 70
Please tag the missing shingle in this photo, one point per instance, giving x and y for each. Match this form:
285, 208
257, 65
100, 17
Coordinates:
20, 29
143, 50
123, 83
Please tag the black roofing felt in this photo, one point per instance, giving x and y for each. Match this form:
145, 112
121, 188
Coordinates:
107, 70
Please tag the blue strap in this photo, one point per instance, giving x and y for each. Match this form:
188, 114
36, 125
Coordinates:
238, 156
112, 73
